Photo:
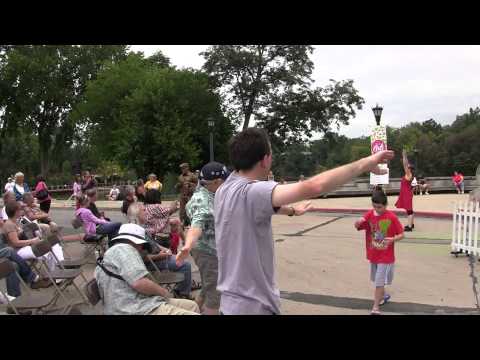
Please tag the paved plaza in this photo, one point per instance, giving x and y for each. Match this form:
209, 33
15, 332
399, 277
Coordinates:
322, 270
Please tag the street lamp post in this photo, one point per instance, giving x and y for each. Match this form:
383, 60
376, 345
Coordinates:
211, 125
377, 111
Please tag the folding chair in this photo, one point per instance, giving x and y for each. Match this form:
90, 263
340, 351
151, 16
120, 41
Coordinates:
67, 276
29, 301
166, 278
94, 243
70, 263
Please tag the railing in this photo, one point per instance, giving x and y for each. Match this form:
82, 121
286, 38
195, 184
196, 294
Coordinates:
465, 228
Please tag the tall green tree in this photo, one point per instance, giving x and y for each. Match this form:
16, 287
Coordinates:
152, 117
42, 84
272, 85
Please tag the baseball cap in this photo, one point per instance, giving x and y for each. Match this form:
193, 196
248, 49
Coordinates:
131, 232
214, 170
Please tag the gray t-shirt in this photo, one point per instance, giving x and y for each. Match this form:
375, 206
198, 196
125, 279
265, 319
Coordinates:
119, 297
243, 234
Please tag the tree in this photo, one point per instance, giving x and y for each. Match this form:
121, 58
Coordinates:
151, 118
272, 84
249, 74
44, 82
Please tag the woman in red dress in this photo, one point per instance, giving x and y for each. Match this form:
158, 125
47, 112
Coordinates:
405, 198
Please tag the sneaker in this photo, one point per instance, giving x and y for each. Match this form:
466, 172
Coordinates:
407, 228
4, 300
427, 193
385, 299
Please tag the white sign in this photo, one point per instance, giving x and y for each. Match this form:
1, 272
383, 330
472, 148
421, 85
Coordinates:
378, 142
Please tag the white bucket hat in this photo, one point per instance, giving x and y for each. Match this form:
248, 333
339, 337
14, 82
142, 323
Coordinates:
131, 232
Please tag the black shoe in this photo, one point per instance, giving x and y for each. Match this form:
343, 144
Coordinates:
407, 228
413, 226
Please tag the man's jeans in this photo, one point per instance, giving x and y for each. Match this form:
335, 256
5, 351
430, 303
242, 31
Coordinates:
110, 229
13, 282
185, 287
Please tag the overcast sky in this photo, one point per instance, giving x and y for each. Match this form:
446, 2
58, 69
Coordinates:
411, 82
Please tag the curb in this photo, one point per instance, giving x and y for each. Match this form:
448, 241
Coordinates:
428, 214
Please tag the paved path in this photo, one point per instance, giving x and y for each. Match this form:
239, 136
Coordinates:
434, 202
321, 266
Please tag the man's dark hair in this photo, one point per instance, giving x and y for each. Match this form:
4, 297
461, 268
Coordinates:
248, 148
40, 178
379, 197
153, 196
11, 208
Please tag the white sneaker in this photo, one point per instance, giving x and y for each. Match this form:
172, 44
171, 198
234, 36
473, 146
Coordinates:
3, 300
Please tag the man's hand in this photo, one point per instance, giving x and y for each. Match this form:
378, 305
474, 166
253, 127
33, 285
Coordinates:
301, 209
380, 157
182, 255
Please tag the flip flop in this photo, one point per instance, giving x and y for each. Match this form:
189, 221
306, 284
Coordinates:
385, 300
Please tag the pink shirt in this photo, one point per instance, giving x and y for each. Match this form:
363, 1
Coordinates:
42, 186
89, 220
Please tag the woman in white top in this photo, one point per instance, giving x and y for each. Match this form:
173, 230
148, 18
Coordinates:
20, 187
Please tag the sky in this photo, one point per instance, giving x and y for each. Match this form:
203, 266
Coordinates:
411, 82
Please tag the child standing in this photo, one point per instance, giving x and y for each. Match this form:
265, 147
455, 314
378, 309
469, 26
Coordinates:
382, 230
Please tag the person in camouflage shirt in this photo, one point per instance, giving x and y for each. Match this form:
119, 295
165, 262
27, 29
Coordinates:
200, 238
187, 182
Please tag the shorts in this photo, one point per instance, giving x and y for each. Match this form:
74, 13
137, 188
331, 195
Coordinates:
381, 274
208, 267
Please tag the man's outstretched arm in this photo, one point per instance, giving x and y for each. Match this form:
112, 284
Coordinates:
328, 180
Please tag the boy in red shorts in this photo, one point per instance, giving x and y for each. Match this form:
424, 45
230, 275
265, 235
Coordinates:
382, 229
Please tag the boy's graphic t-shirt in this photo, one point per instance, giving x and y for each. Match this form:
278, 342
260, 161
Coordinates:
377, 228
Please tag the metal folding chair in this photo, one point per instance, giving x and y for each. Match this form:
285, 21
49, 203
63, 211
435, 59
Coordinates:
70, 263
67, 276
28, 301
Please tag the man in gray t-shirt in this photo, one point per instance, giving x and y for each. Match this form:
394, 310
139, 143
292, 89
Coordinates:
244, 206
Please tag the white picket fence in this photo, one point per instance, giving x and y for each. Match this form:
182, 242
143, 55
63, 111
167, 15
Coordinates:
466, 215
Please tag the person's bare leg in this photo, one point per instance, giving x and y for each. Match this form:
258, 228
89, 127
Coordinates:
410, 220
378, 297
74, 237
199, 300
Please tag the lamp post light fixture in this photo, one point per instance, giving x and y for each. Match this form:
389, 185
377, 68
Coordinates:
377, 111
211, 125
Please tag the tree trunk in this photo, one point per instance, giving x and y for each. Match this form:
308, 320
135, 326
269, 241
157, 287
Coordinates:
44, 160
247, 120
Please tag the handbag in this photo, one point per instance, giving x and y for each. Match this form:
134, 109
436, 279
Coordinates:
42, 194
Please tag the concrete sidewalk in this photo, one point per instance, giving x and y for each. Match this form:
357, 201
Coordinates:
435, 203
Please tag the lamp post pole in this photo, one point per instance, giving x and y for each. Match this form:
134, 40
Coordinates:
211, 124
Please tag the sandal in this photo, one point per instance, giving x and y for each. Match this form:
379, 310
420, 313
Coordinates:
177, 295
385, 300
196, 285
375, 312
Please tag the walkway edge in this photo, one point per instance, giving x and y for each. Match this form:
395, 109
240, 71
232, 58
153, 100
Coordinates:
429, 214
